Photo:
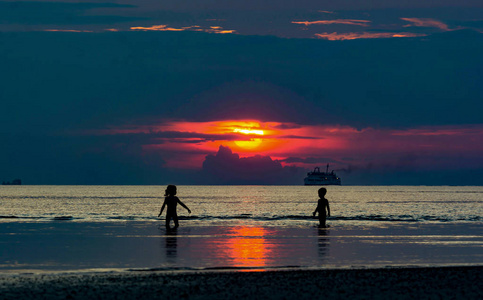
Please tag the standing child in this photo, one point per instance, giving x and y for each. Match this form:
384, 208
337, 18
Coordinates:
321, 205
171, 201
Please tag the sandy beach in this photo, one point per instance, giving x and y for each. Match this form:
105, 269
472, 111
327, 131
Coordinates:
389, 283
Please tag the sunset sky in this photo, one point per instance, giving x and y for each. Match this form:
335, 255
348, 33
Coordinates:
241, 92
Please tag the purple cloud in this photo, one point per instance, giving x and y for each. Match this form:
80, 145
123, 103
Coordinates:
226, 167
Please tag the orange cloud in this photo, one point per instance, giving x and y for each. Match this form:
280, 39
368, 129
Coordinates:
338, 21
334, 36
211, 29
246, 136
157, 28
424, 22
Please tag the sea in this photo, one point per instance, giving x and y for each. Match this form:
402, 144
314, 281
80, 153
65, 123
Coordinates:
116, 228
267, 205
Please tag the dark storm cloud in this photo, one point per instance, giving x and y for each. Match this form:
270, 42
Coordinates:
287, 126
58, 13
301, 137
52, 81
141, 138
309, 160
226, 167
400, 174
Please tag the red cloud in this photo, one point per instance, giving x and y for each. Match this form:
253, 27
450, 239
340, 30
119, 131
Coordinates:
186, 144
338, 21
423, 22
211, 29
334, 36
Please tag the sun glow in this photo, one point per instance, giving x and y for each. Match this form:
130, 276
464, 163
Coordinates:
248, 131
186, 144
249, 145
253, 143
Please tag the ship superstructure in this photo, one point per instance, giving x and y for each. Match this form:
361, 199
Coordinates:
322, 178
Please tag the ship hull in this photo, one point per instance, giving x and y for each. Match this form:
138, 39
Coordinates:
324, 183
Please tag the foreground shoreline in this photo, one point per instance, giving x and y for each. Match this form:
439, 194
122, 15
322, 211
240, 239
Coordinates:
383, 283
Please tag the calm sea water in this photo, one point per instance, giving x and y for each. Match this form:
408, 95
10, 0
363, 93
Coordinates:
270, 205
72, 228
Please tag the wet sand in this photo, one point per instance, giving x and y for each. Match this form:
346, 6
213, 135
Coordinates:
388, 283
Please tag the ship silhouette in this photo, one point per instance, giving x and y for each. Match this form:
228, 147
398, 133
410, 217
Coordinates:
322, 178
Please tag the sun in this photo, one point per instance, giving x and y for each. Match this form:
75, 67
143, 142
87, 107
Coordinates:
253, 142
249, 131
249, 145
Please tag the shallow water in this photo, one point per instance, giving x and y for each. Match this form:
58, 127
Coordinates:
72, 228
271, 205
57, 246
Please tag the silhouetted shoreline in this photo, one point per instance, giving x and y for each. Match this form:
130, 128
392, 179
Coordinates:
13, 182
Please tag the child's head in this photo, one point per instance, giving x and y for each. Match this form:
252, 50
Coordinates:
322, 192
170, 190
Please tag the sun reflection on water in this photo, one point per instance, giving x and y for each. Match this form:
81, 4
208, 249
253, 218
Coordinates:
248, 247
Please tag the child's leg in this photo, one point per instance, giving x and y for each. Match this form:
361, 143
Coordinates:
322, 219
168, 218
175, 219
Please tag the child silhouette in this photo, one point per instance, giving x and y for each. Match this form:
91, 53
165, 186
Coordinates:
321, 205
171, 201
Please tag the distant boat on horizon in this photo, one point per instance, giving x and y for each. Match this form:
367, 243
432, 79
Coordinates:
322, 178
14, 182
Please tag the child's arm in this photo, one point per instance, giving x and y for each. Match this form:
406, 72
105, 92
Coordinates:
162, 208
182, 204
328, 209
316, 209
